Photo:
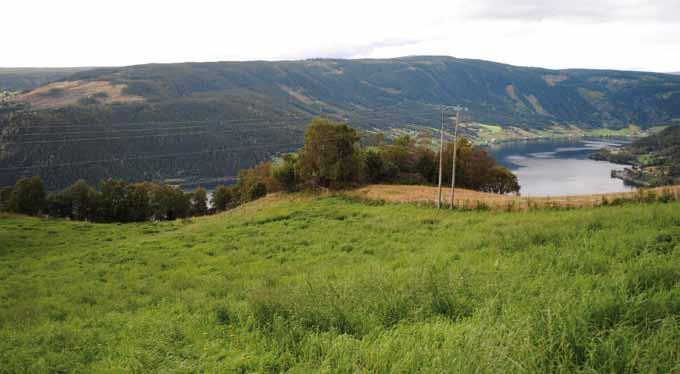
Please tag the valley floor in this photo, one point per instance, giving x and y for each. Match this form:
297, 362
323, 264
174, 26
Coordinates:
306, 284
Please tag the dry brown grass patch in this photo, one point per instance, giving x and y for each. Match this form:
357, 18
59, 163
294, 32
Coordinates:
61, 94
474, 199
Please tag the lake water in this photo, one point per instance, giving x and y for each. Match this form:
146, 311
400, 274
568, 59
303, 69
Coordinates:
560, 167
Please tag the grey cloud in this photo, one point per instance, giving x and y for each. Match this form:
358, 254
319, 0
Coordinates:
353, 51
577, 10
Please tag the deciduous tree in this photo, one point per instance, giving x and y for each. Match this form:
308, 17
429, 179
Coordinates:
328, 156
28, 196
199, 202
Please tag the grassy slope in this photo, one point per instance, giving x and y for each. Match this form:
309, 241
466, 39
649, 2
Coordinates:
324, 283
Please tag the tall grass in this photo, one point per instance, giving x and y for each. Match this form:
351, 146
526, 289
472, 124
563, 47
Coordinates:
335, 285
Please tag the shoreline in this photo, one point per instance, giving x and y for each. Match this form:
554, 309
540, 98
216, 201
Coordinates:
559, 137
625, 175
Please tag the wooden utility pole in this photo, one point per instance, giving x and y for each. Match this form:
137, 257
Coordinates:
455, 152
441, 157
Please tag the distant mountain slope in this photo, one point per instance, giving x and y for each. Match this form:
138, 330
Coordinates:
130, 121
495, 93
19, 79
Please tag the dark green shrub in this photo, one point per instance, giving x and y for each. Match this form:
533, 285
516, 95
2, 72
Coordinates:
28, 196
169, 203
328, 158
59, 205
224, 198
138, 202
199, 202
84, 200
88, 100
53, 92
113, 205
257, 191
286, 175
374, 167
5, 196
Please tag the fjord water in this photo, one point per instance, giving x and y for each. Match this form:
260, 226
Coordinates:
560, 167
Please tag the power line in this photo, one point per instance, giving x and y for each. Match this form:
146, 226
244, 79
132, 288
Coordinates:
130, 137
457, 109
114, 131
374, 114
161, 156
150, 136
180, 126
51, 141
441, 153
141, 123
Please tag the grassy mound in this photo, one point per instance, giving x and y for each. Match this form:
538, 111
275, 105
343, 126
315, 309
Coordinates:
335, 285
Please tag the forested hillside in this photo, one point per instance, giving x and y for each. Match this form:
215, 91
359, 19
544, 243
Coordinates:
203, 120
20, 79
656, 158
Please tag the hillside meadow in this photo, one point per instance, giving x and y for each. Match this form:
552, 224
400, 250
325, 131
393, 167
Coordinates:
302, 283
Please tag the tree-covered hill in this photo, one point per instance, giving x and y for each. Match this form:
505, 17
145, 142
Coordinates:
197, 120
20, 79
495, 93
656, 158
662, 151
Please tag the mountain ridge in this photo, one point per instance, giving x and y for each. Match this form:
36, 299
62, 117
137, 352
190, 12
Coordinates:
28, 78
394, 82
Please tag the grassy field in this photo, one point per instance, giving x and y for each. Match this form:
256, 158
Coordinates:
489, 134
330, 284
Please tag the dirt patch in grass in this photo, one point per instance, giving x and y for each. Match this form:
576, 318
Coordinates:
61, 94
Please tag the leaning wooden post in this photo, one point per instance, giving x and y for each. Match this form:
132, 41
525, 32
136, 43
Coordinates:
453, 168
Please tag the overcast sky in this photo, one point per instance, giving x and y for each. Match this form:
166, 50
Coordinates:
618, 34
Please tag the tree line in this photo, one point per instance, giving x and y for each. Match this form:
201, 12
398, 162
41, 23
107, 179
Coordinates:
114, 201
334, 156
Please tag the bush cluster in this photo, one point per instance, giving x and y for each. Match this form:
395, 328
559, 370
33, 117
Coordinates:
335, 156
114, 201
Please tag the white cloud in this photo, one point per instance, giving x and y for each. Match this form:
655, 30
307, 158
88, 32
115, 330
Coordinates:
622, 34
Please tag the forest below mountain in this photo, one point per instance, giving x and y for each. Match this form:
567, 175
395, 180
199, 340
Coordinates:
207, 120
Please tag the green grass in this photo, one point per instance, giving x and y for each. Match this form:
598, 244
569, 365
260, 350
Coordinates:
492, 128
629, 131
331, 285
493, 133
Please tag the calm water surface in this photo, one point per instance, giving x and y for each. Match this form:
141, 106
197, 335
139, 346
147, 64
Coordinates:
560, 167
